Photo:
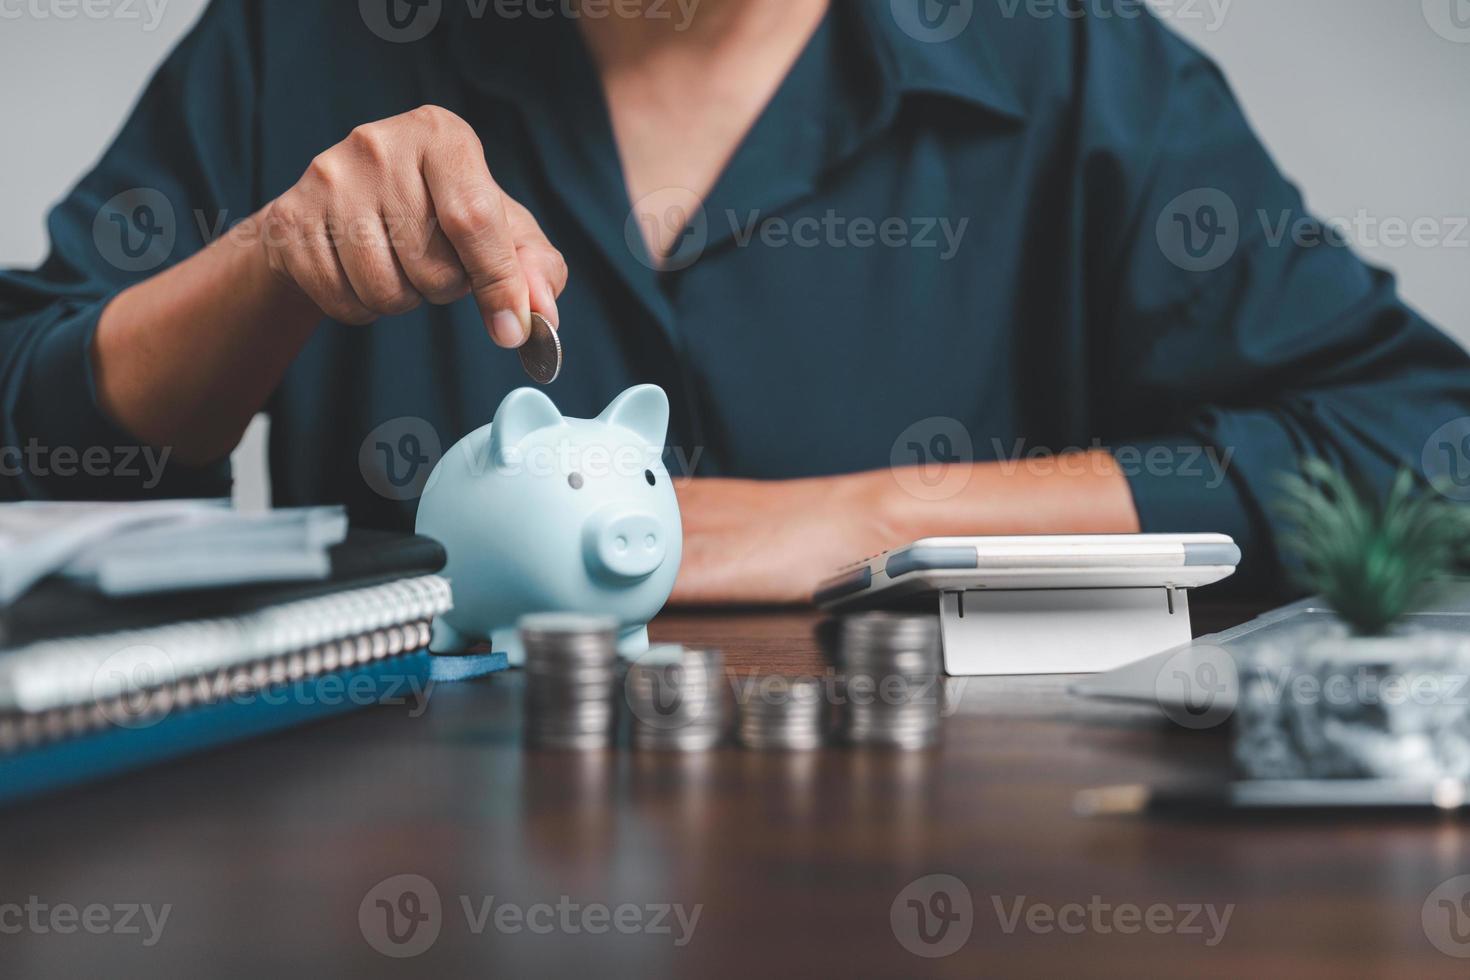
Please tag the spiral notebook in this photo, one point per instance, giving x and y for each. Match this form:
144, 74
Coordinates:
92, 686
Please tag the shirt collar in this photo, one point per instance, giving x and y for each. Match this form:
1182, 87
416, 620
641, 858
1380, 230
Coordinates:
510, 63
962, 67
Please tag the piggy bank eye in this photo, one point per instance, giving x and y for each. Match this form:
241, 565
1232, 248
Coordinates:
575, 481
648, 475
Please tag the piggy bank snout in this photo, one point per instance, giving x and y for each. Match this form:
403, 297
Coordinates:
625, 544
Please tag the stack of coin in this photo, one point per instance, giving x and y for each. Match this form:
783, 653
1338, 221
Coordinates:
892, 692
782, 712
676, 697
571, 680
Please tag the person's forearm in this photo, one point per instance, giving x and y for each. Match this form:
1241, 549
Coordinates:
748, 541
188, 357
1076, 493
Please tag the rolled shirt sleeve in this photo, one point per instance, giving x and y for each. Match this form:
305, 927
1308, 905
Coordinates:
178, 171
1240, 325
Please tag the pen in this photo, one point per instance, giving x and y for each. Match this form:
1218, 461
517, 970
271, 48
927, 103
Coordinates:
1275, 794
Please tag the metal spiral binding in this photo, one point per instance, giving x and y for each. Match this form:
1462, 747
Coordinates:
24, 731
260, 651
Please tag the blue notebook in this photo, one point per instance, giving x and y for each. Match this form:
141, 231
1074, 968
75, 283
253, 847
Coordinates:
92, 686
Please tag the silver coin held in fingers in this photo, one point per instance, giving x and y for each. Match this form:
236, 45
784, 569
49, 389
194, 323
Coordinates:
541, 353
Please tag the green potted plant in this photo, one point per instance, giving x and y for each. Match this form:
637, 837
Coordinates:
1370, 563
1371, 691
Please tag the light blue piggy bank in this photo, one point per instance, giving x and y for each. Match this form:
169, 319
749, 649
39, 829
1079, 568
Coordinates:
541, 513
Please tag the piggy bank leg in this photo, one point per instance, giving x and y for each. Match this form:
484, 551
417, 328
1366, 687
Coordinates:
447, 639
633, 641
508, 642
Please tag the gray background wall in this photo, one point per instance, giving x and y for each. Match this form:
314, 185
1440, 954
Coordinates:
1363, 102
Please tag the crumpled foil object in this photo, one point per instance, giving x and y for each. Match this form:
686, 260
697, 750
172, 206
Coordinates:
1328, 705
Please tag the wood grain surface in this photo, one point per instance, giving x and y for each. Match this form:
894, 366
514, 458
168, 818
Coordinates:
799, 864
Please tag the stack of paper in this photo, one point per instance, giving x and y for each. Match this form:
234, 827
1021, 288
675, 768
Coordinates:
158, 546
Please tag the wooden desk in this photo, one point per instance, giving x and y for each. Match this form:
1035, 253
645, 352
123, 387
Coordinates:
266, 851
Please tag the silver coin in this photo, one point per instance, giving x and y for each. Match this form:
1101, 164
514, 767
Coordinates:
541, 353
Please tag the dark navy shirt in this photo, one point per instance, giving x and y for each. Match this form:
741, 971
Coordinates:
1039, 234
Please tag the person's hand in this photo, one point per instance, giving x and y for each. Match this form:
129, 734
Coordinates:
405, 210
756, 543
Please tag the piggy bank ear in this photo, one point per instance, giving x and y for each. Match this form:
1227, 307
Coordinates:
523, 412
644, 409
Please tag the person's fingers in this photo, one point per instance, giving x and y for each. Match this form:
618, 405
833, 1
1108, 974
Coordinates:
543, 264
436, 272
303, 245
423, 252
546, 277
368, 260
470, 209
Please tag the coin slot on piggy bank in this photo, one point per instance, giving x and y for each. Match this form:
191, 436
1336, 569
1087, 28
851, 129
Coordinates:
541, 513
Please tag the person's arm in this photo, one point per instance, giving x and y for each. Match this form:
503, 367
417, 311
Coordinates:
1217, 370
135, 333
1236, 334
772, 542
402, 212
162, 378
186, 150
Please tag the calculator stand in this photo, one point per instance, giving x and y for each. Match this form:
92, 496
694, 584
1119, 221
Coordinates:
1058, 631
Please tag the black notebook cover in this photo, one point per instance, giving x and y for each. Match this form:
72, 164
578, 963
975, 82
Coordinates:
57, 607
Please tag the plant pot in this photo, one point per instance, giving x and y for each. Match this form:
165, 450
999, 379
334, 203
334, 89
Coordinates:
1325, 704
